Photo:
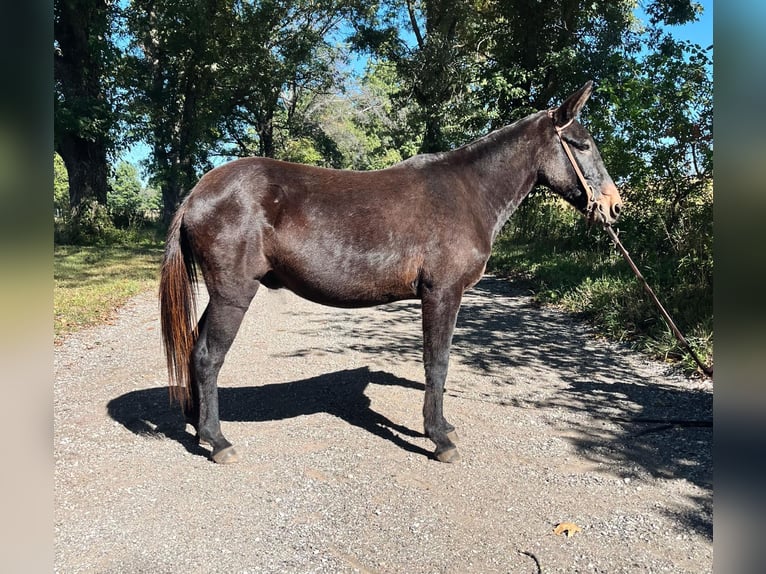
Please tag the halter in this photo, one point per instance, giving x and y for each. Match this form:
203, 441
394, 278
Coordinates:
592, 205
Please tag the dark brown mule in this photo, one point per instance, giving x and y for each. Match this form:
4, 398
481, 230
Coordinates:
421, 229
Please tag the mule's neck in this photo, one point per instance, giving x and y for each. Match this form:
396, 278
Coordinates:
505, 164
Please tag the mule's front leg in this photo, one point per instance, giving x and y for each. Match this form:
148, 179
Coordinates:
440, 308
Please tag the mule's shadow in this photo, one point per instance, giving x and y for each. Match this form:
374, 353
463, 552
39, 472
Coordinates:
517, 344
341, 394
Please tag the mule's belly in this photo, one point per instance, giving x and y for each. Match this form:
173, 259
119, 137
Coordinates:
355, 279
341, 291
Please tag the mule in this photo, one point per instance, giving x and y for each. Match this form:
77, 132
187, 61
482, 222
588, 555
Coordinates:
421, 229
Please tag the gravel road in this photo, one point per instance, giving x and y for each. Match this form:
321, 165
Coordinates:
324, 405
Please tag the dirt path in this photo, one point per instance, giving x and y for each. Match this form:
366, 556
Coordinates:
325, 407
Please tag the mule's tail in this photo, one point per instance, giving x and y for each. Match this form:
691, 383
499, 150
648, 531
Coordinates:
178, 310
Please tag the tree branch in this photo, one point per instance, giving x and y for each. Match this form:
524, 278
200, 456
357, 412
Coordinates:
414, 23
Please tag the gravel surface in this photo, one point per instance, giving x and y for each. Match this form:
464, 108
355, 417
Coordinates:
324, 405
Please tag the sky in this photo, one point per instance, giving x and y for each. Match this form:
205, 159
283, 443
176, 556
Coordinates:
699, 32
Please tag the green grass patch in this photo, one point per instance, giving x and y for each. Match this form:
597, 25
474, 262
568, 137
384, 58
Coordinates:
594, 282
91, 282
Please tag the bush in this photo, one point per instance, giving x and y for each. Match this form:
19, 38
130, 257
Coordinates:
89, 225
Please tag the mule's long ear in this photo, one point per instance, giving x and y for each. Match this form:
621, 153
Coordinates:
571, 107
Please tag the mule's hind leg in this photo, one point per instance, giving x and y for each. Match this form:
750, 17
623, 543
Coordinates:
191, 408
440, 308
217, 330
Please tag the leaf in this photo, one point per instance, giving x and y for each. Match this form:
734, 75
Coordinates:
569, 527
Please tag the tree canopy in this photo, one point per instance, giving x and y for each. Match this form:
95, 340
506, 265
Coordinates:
202, 81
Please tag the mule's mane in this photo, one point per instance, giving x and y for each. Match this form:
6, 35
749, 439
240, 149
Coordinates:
476, 147
496, 136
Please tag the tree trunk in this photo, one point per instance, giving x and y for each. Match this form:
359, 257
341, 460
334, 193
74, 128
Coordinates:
88, 171
432, 137
433, 85
179, 180
171, 192
82, 113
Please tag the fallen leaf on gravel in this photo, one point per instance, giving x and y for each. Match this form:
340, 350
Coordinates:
569, 527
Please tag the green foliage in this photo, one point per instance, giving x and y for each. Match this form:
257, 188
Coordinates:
174, 83
587, 277
479, 65
301, 150
130, 207
229, 78
381, 116
129, 203
85, 58
124, 199
90, 225
361, 128
673, 11
61, 210
652, 118
201, 79
576, 268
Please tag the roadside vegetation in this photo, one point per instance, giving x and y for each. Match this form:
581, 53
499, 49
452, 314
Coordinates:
112, 253
92, 281
577, 269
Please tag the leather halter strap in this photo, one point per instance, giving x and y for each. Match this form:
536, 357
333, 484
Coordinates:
588, 190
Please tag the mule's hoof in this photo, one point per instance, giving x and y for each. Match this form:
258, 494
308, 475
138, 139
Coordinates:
228, 455
449, 455
452, 435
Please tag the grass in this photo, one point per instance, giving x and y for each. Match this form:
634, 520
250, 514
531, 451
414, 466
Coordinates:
92, 282
595, 283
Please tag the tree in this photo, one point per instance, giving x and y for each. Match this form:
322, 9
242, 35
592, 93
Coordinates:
173, 76
286, 65
435, 70
214, 77
128, 201
653, 124
60, 189
367, 128
657, 136
475, 65
84, 118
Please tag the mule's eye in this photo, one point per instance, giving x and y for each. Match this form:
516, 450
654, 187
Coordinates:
579, 144
582, 146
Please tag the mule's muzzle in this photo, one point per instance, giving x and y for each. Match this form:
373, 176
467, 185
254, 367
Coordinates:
607, 207
604, 215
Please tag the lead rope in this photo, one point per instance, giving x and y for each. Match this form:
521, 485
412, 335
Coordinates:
708, 370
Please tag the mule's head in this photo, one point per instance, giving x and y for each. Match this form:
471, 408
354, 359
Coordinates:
564, 135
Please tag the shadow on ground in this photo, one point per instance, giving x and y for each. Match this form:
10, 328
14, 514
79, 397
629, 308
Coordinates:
340, 394
656, 427
637, 421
